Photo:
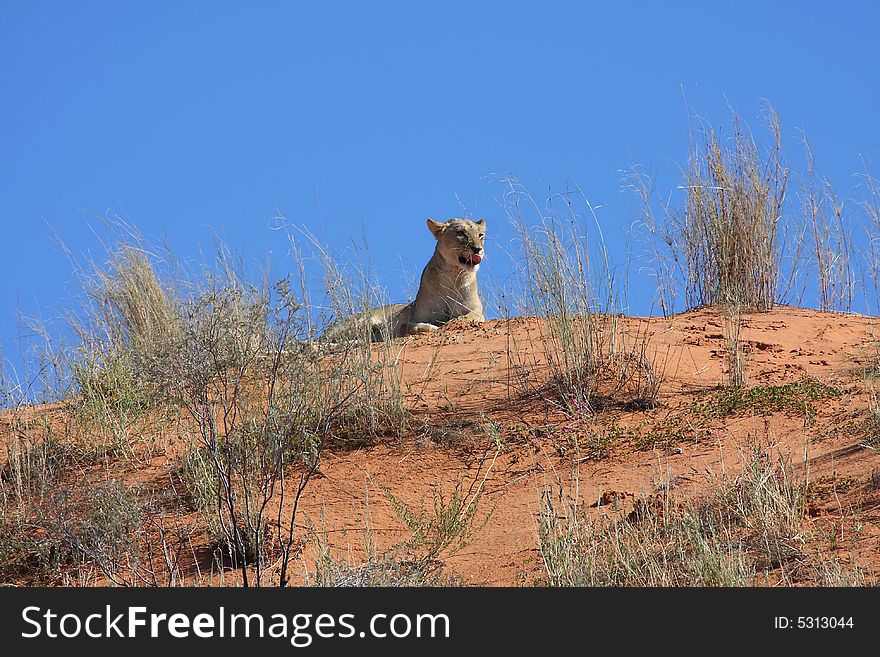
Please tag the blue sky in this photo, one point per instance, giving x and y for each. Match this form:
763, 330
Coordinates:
350, 117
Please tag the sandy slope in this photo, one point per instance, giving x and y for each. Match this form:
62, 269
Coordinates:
474, 375
473, 387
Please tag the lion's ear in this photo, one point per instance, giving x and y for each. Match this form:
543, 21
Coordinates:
481, 223
436, 227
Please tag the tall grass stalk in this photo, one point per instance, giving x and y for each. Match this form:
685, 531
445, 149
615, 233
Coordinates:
871, 207
832, 246
732, 318
663, 258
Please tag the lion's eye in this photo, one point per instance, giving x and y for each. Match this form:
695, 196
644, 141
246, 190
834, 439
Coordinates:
481, 236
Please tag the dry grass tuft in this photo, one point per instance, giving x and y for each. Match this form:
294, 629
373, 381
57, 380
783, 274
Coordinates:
728, 236
594, 360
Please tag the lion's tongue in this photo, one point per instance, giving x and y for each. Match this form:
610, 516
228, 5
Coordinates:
476, 258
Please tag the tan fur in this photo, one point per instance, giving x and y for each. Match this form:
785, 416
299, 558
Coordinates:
447, 291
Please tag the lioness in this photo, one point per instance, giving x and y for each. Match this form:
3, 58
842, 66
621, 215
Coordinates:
448, 288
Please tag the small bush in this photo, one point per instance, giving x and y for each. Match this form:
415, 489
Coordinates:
102, 526
111, 403
448, 527
37, 458
38, 461
29, 551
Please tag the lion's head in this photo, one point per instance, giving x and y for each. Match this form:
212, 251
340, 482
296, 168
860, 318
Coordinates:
460, 241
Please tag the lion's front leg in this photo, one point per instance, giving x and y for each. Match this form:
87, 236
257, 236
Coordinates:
417, 328
472, 316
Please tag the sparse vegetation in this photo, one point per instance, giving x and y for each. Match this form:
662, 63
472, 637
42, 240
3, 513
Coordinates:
749, 530
398, 566
435, 534
663, 261
227, 367
690, 426
795, 398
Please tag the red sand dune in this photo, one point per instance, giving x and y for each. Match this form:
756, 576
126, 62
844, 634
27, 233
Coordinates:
470, 384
